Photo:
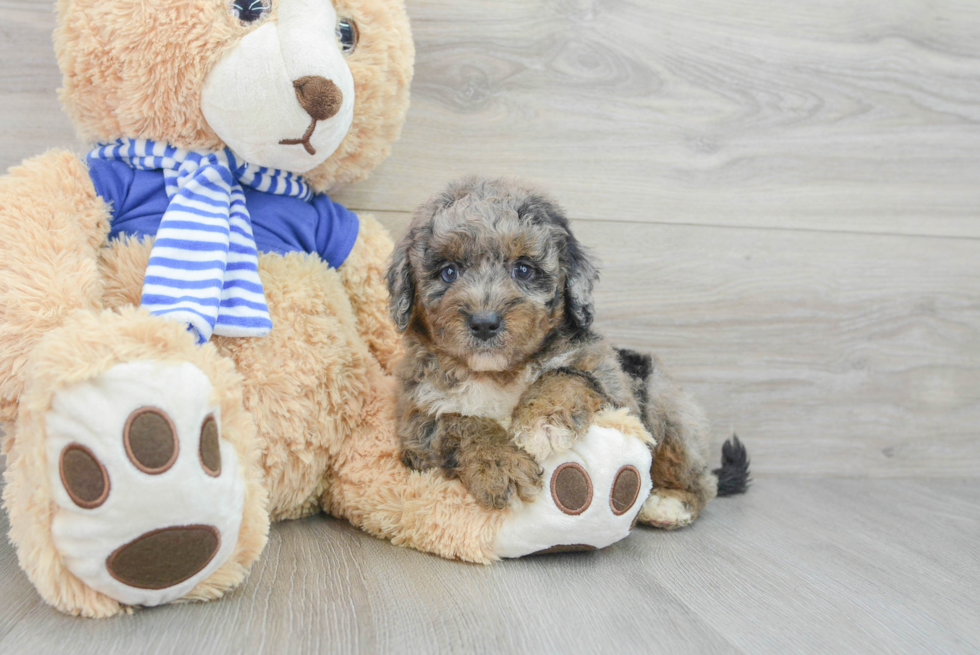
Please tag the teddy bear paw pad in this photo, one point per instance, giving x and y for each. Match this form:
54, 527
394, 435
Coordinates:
149, 496
590, 499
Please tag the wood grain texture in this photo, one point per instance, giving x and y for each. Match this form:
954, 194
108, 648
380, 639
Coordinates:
31, 118
840, 114
810, 566
830, 354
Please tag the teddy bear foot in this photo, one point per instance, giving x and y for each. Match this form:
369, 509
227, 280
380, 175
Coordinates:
592, 495
149, 495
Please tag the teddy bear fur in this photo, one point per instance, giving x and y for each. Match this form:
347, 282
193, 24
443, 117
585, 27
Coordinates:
308, 408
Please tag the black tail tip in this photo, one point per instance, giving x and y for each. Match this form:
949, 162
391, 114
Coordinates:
733, 476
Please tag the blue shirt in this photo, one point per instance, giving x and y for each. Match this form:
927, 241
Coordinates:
280, 224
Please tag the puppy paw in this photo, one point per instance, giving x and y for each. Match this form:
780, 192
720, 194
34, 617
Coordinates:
544, 438
592, 496
150, 497
494, 476
664, 509
555, 413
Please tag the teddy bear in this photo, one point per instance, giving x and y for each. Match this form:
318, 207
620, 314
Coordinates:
195, 339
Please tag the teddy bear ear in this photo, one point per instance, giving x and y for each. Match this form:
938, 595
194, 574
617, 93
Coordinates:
141, 87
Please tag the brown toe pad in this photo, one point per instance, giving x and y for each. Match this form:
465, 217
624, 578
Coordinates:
625, 489
83, 476
164, 557
571, 488
210, 448
150, 440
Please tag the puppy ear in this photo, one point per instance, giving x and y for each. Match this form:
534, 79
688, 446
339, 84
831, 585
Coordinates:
578, 268
581, 274
401, 283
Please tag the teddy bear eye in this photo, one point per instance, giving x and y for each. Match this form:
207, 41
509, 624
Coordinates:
249, 11
347, 35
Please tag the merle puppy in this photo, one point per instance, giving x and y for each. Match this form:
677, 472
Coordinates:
494, 296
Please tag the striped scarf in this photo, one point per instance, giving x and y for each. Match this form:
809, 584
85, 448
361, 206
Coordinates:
203, 268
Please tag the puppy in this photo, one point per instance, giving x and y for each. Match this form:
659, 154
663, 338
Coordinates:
494, 296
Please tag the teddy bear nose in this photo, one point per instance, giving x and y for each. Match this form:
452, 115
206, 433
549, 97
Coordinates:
318, 96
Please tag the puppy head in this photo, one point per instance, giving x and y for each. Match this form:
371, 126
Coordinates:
487, 269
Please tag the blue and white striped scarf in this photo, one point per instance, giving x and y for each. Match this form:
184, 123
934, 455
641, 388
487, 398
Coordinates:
203, 268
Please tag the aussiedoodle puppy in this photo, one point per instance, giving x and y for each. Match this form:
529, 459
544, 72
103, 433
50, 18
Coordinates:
494, 296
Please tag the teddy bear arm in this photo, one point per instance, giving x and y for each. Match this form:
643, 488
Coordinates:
52, 225
363, 276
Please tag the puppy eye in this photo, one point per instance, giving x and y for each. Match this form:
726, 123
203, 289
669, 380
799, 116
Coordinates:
347, 35
449, 274
249, 11
523, 271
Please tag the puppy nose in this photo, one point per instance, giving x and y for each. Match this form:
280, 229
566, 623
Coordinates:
485, 325
318, 96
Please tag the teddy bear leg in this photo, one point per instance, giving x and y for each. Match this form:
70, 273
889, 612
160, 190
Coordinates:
132, 471
52, 225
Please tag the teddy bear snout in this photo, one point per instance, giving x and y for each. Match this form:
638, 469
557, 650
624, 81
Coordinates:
318, 96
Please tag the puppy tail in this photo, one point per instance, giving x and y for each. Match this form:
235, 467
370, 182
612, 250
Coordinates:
733, 476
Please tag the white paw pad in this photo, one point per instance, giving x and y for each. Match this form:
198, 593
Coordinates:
665, 512
149, 496
592, 494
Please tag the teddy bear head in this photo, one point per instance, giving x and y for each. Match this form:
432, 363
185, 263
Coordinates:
315, 87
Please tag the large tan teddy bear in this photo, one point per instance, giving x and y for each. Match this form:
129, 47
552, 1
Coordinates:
194, 339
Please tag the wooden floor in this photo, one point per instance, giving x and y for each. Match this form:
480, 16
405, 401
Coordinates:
803, 565
786, 198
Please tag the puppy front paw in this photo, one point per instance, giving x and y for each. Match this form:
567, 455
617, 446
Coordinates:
543, 436
493, 475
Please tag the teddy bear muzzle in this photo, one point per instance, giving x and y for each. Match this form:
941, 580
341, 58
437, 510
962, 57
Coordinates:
302, 95
321, 99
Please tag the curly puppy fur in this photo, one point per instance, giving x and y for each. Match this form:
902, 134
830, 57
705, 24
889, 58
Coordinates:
494, 296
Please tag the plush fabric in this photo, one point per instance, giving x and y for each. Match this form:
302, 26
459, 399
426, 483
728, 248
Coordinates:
184, 494
536, 527
297, 63
85, 345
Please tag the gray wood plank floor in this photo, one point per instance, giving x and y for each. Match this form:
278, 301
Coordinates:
796, 565
786, 197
